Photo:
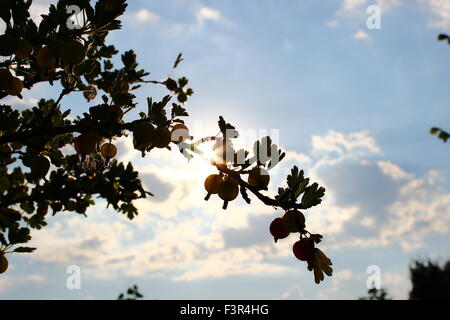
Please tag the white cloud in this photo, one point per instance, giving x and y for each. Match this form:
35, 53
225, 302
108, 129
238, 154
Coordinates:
38, 8
201, 15
35, 278
352, 4
183, 238
293, 293
356, 10
344, 274
20, 103
206, 13
439, 9
345, 143
218, 268
146, 16
410, 209
441, 12
361, 35
358, 7
7, 281
300, 158
394, 171
398, 285
388, 5
344, 281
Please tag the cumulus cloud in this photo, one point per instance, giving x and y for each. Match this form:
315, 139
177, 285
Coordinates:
346, 280
383, 203
255, 233
356, 10
440, 9
202, 15
394, 171
161, 190
18, 103
293, 293
349, 144
388, 5
361, 35
7, 281
146, 16
344, 274
206, 13
39, 8
370, 202
232, 262
358, 7
348, 5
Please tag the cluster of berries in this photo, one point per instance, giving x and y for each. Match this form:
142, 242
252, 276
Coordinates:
293, 221
226, 186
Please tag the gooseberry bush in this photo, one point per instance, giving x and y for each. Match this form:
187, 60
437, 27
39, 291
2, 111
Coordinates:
38, 180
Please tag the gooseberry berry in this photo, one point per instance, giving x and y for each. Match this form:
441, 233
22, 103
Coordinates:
294, 220
5, 79
162, 137
278, 229
182, 97
42, 210
45, 59
56, 207
228, 191
71, 205
3, 263
90, 93
179, 133
15, 87
108, 151
116, 113
143, 135
24, 49
73, 52
85, 143
171, 84
303, 249
39, 167
212, 183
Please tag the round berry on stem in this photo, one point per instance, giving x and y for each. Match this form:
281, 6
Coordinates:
278, 229
212, 183
303, 249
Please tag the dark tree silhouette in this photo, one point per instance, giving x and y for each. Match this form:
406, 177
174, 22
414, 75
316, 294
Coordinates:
430, 280
132, 293
376, 294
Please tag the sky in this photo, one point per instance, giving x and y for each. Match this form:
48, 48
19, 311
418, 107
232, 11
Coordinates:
351, 106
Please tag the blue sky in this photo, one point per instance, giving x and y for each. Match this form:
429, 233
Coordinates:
352, 107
